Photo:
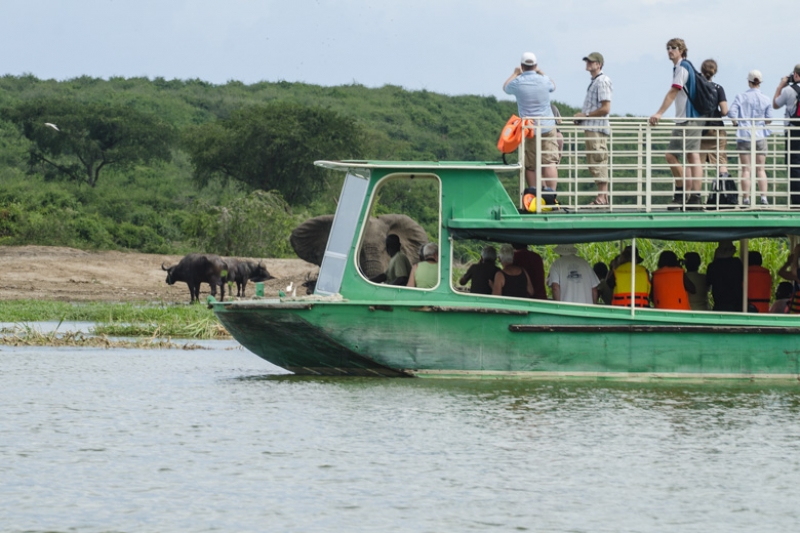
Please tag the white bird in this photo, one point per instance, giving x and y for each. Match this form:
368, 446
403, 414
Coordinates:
49, 125
289, 287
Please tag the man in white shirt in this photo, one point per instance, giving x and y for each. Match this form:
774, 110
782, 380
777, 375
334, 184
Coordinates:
596, 107
571, 278
683, 140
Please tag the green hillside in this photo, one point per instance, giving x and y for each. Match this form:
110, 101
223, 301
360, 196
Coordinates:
175, 166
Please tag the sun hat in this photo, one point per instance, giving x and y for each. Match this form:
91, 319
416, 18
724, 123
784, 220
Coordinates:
566, 249
529, 59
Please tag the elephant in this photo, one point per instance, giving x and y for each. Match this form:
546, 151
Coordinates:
310, 238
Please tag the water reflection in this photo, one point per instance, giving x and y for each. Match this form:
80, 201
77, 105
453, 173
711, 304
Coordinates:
133, 440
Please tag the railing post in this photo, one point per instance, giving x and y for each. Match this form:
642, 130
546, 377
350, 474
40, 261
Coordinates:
648, 168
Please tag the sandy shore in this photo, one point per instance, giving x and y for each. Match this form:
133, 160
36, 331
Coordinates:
67, 274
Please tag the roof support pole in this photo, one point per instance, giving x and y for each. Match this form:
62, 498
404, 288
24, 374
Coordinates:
744, 252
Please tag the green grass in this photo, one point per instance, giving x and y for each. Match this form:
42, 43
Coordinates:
121, 319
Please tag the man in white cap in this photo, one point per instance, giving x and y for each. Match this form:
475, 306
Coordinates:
532, 88
596, 107
788, 94
752, 111
571, 278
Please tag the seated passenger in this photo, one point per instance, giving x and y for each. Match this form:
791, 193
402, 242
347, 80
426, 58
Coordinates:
604, 292
425, 274
782, 296
620, 281
399, 266
671, 285
571, 278
790, 272
759, 283
725, 275
512, 280
698, 300
532, 263
482, 273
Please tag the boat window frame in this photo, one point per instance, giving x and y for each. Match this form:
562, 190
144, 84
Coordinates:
370, 204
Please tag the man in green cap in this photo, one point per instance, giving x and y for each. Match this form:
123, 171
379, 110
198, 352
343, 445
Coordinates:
596, 107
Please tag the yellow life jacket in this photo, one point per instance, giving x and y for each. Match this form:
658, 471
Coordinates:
622, 286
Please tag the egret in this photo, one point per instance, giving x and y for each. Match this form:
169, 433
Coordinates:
50, 125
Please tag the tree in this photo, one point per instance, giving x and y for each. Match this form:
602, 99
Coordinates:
274, 146
77, 140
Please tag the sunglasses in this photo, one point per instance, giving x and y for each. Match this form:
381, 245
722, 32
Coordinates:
672, 48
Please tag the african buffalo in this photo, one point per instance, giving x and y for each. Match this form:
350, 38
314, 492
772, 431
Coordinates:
241, 271
195, 269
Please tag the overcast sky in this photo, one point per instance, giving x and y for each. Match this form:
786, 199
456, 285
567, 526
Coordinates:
445, 46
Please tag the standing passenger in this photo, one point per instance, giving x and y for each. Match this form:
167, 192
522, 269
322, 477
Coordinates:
759, 283
782, 296
725, 275
683, 140
532, 263
749, 111
698, 300
712, 146
787, 94
571, 278
597, 104
532, 88
512, 280
671, 285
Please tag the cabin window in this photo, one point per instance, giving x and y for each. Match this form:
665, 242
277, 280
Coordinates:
406, 205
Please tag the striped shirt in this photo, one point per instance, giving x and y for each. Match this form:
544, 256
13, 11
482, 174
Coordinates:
599, 91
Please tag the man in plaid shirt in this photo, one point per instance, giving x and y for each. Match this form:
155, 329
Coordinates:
596, 107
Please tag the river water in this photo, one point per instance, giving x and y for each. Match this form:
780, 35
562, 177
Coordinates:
219, 440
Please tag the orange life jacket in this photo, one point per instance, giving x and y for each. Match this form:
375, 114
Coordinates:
511, 136
759, 287
668, 289
622, 286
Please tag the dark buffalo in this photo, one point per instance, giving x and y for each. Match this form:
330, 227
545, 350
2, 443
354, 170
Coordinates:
310, 284
241, 271
195, 269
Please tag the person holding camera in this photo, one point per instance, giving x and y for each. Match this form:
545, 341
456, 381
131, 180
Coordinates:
532, 87
787, 94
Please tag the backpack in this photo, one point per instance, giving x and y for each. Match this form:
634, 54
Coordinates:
547, 202
706, 96
796, 114
718, 187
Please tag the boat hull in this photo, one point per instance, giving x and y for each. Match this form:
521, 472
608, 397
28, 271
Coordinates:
590, 342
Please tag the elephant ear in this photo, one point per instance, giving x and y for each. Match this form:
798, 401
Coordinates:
412, 235
310, 238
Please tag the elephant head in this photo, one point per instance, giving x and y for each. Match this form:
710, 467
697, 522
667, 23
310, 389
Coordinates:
310, 238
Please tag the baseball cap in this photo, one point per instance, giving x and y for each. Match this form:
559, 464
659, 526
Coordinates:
595, 56
755, 76
528, 58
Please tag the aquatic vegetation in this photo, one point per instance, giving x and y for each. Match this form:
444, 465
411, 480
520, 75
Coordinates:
24, 335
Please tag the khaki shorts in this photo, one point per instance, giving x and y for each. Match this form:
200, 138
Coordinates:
684, 141
549, 150
597, 155
713, 143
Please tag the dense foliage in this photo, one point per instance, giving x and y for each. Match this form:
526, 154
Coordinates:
181, 161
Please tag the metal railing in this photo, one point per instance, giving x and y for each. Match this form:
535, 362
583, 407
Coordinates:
641, 178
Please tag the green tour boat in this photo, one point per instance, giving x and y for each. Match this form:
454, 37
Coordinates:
352, 326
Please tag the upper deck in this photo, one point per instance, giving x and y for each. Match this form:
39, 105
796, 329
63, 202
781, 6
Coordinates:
641, 188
